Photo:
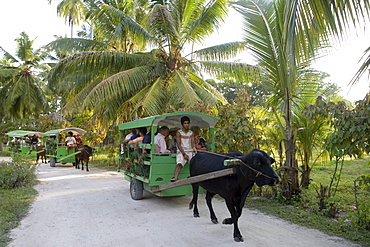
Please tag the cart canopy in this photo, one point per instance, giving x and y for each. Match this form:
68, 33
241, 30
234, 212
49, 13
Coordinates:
22, 133
172, 120
75, 131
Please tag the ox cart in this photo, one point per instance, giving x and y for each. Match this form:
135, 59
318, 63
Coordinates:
55, 147
150, 171
18, 142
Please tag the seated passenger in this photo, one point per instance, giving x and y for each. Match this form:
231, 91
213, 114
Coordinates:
51, 145
78, 139
34, 143
200, 142
142, 133
70, 141
159, 140
147, 138
130, 135
172, 140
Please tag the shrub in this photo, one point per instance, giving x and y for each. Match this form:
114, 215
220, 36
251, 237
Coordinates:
17, 173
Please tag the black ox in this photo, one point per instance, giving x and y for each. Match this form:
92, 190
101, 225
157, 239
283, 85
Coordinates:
84, 156
255, 168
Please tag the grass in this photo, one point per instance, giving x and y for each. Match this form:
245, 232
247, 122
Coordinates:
304, 210
16, 194
105, 158
14, 206
4, 153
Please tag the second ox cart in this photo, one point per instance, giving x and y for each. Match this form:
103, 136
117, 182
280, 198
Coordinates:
55, 147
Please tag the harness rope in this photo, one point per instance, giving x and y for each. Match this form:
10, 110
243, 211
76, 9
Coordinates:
83, 149
258, 173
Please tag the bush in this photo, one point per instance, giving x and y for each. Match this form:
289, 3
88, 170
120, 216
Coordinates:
105, 157
5, 153
17, 173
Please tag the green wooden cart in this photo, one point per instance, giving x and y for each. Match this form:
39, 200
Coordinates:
21, 147
146, 170
56, 150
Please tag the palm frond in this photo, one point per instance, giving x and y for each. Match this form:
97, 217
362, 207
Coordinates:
152, 98
181, 91
211, 16
125, 83
24, 47
6, 73
98, 63
220, 52
7, 55
337, 16
161, 24
75, 45
23, 97
240, 71
259, 35
364, 67
205, 91
125, 26
77, 97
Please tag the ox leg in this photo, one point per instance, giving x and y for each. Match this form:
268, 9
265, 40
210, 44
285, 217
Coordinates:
87, 165
209, 197
77, 166
82, 165
234, 216
194, 200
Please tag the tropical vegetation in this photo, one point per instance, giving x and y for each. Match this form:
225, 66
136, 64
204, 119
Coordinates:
132, 59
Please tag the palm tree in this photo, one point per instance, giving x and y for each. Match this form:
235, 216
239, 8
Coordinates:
285, 36
22, 87
363, 68
119, 84
72, 11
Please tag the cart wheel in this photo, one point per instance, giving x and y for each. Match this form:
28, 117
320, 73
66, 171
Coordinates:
52, 162
136, 189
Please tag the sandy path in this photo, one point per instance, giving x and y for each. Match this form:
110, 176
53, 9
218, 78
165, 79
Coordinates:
76, 208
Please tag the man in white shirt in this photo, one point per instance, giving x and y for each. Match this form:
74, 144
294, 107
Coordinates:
159, 140
132, 133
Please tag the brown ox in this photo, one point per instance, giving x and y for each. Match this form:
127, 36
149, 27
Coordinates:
83, 156
41, 154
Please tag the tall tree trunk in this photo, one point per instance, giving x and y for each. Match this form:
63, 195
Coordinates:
72, 29
289, 184
91, 31
305, 181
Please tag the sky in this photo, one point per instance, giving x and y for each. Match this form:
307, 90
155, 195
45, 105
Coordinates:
39, 20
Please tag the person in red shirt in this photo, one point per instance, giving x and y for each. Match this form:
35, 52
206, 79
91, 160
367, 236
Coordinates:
78, 139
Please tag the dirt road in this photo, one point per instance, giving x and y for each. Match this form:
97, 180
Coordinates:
76, 208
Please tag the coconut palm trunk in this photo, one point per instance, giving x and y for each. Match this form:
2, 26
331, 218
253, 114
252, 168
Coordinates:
290, 182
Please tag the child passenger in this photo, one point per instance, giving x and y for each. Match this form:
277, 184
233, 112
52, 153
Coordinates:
200, 142
185, 146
